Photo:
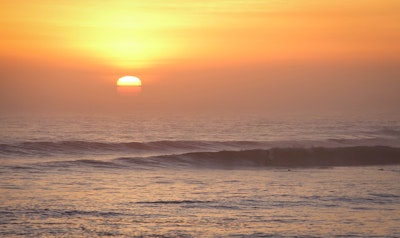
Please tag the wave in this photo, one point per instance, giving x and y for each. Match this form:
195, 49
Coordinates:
276, 157
232, 159
47, 148
73, 148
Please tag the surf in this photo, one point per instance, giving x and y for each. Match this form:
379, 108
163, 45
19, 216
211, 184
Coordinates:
277, 157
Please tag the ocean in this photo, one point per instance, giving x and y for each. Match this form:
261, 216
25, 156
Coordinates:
199, 176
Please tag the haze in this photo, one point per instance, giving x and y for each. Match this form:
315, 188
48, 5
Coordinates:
208, 56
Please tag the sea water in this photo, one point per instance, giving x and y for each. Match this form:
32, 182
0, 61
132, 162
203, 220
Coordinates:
197, 176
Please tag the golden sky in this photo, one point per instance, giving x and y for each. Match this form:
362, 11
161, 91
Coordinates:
180, 47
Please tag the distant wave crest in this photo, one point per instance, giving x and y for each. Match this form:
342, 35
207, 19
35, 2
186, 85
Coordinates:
73, 148
212, 154
236, 159
278, 157
48, 148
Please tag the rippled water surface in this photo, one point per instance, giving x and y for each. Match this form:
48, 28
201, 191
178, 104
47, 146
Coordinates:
140, 176
358, 201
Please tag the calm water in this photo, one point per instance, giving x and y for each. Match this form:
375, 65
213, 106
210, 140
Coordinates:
129, 176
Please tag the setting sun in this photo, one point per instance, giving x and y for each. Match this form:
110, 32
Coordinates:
129, 85
129, 81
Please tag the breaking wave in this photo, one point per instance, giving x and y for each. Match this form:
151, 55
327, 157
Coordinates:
73, 148
277, 157
206, 154
257, 158
47, 148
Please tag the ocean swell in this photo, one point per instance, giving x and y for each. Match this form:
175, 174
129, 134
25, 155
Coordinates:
315, 157
151, 148
209, 154
48, 148
277, 157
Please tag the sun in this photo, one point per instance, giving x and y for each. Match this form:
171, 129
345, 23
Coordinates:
129, 81
129, 86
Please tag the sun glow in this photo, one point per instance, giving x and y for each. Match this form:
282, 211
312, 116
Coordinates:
138, 34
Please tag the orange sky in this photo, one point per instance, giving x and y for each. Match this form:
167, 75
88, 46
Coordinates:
220, 55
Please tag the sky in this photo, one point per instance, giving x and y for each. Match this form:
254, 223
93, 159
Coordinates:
255, 56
